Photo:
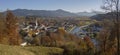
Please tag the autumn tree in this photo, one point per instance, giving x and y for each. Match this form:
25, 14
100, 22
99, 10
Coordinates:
2, 29
12, 28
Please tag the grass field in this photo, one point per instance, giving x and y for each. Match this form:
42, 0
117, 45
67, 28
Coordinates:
30, 50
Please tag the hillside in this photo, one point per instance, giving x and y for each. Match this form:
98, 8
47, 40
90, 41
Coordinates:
101, 17
36, 50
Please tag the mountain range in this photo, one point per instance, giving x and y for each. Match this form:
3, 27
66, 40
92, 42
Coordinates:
51, 13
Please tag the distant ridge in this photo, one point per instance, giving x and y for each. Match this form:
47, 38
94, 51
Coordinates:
43, 13
89, 14
49, 13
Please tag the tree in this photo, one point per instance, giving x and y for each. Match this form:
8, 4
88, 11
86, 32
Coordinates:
12, 29
113, 7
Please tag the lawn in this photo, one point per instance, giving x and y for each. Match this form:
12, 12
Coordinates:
30, 50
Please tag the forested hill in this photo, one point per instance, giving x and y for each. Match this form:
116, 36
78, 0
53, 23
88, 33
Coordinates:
51, 13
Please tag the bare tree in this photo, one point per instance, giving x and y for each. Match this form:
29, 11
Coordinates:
113, 7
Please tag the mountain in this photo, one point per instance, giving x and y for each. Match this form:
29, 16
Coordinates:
100, 17
89, 14
52, 13
43, 13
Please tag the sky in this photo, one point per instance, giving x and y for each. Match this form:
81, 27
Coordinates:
68, 5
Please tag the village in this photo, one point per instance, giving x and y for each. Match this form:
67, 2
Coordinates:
33, 28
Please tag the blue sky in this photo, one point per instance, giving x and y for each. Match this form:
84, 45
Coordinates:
69, 5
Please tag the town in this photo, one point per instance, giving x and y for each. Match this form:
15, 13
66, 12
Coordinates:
35, 28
